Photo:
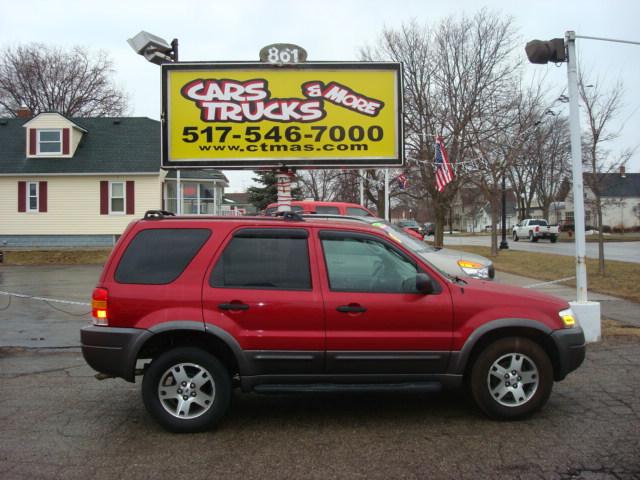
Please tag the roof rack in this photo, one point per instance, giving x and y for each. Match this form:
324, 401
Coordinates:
157, 214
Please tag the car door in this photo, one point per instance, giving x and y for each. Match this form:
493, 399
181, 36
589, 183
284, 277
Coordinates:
261, 289
376, 320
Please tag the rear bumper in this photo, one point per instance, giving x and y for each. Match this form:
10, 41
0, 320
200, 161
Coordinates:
112, 351
570, 345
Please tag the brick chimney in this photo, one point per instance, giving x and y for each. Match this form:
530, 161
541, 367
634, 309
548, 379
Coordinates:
24, 112
623, 173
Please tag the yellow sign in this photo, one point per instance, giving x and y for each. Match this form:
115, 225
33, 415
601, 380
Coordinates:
261, 115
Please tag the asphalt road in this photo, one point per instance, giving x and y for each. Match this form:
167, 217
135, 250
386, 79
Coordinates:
621, 251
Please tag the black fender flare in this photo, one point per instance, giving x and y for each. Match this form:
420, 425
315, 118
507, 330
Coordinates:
194, 326
458, 360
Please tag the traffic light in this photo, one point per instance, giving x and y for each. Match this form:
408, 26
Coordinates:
545, 52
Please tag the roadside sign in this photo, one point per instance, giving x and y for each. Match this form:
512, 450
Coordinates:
260, 115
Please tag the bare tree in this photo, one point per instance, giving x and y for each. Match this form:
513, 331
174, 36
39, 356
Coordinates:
48, 79
452, 71
600, 109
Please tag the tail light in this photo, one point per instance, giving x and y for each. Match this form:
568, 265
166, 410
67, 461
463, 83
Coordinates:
537, 229
99, 302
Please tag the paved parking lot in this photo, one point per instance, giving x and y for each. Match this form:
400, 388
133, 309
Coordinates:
57, 421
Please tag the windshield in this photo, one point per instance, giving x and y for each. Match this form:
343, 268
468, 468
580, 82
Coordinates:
538, 222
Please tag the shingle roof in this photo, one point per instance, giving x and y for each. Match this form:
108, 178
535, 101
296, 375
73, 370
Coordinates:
198, 174
112, 145
615, 185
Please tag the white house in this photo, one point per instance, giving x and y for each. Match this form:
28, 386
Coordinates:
620, 195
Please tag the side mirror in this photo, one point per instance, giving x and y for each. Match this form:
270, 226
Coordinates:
424, 284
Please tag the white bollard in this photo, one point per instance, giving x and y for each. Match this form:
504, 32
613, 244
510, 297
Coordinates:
588, 314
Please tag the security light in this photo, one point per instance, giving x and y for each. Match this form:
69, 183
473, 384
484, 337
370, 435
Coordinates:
153, 48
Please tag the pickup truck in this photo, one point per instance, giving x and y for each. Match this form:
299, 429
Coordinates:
534, 229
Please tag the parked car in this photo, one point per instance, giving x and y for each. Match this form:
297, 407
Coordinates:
202, 305
534, 229
429, 228
332, 208
409, 224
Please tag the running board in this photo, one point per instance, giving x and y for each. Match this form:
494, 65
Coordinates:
429, 387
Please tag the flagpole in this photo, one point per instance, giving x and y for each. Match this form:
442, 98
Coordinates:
386, 194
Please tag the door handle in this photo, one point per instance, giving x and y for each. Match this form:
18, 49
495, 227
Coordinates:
351, 308
233, 306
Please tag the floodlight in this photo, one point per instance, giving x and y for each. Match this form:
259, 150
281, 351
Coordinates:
155, 49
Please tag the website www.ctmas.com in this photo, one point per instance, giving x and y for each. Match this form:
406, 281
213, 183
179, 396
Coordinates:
264, 147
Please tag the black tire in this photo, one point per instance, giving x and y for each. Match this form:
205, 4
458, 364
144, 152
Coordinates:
515, 236
531, 237
554, 239
189, 374
501, 400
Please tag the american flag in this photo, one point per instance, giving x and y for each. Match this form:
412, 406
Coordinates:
444, 172
403, 181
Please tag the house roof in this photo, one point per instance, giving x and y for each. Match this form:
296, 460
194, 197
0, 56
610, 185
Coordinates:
198, 174
111, 145
616, 185
237, 198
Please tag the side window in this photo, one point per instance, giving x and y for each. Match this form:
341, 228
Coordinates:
159, 256
275, 259
362, 264
357, 212
327, 210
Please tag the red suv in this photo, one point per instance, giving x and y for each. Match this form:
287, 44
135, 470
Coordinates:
201, 305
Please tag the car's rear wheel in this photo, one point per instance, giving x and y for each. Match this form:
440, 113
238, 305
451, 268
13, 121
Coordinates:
511, 378
186, 390
515, 237
531, 237
554, 239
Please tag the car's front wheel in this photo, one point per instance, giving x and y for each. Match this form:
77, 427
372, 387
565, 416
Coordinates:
186, 390
511, 378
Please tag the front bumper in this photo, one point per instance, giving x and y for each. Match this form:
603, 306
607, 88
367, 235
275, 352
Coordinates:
570, 345
112, 351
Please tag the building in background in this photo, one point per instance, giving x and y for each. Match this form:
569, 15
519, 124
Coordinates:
80, 181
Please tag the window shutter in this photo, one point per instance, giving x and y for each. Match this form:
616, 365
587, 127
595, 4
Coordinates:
22, 196
42, 193
131, 198
104, 197
65, 141
33, 141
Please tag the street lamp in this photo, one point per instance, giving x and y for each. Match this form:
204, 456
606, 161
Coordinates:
157, 51
503, 243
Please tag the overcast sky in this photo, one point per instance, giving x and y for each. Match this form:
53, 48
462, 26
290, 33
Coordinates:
211, 30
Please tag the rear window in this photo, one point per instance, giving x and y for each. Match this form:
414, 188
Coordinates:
158, 256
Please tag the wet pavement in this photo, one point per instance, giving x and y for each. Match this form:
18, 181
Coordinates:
58, 421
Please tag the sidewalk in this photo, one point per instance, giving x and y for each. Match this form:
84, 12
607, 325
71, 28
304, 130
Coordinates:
623, 311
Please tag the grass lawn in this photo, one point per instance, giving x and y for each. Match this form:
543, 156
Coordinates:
53, 257
621, 279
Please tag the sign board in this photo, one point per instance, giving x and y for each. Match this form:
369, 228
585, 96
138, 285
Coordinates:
258, 115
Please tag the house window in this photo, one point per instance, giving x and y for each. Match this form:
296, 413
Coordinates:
116, 197
32, 196
198, 198
49, 142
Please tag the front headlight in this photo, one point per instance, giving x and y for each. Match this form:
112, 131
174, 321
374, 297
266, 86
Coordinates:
568, 318
474, 269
